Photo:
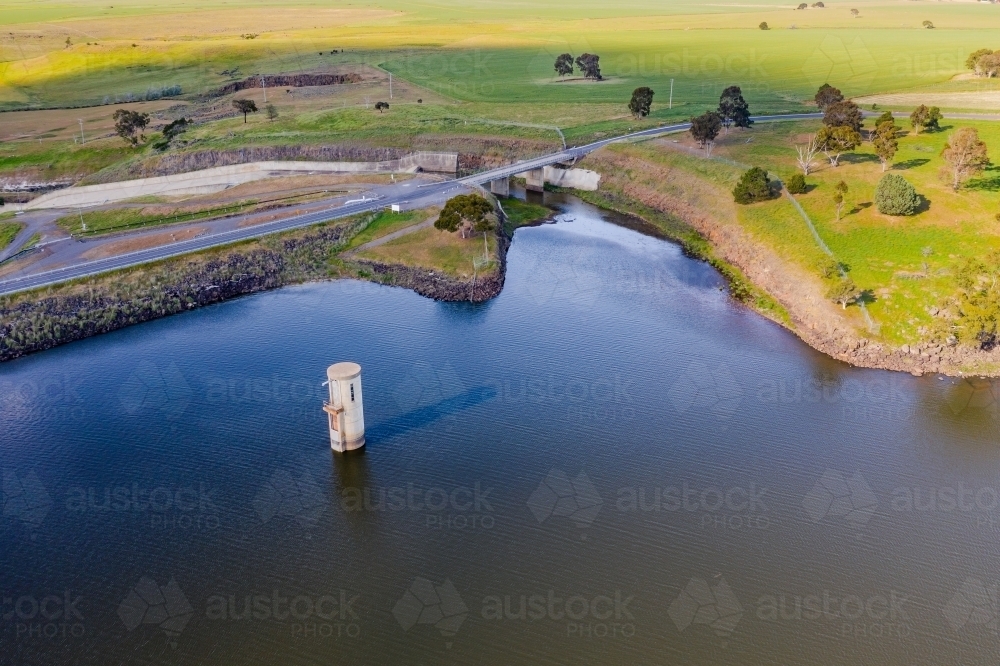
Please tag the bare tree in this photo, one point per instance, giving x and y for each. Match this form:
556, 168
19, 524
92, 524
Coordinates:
807, 155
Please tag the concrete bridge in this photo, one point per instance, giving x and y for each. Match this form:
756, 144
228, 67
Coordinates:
555, 166
397, 194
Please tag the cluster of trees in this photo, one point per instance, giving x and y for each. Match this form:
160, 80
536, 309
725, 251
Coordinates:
926, 118
248, 106
842, 126
589, 65
984, 62
733, 111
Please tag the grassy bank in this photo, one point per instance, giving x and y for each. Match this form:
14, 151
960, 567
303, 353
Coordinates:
385, 223
8, 231
440, 251
522, 213
907, 263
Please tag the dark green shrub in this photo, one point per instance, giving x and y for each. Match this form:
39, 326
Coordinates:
753, 186
797, 184
895, 196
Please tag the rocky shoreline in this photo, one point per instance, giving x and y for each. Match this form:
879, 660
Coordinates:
59, 315
433, 285
41, 320
67, 314
810, 316
956, 361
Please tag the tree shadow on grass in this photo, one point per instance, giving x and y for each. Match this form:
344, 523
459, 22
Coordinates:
989, 182
867, 297
858, 158
859, 207
923, 206
910, 164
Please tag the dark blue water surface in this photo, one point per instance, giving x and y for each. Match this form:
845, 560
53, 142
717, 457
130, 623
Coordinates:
611, 463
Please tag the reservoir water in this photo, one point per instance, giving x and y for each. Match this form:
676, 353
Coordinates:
611, 462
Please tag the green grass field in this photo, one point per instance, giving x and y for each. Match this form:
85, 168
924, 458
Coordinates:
495, 51
907, 263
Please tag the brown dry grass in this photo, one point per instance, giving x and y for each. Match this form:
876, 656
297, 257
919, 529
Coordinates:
315, 99
169, 23
63, 125
987, 101
288, 185
115, 248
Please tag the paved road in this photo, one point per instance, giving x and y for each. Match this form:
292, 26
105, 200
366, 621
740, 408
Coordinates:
412, 197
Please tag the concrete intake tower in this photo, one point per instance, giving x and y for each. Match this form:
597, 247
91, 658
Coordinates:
345, 410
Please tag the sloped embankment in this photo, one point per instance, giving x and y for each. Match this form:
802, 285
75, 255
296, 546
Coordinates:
44, 319
641, 180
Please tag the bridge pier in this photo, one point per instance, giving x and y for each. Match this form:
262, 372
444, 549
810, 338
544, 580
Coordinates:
500, 186
534, 180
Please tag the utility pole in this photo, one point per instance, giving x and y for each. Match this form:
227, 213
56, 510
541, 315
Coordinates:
390, 85
83, 139
263, 85
671, 105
